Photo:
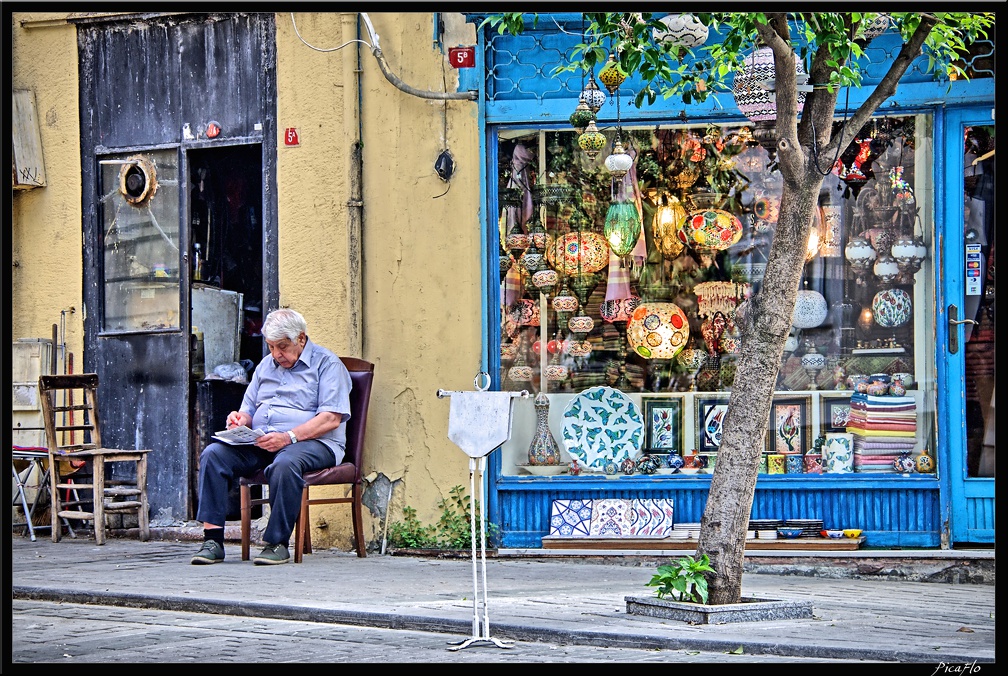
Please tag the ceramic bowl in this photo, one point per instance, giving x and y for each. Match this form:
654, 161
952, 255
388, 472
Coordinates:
789, 532
852, 532
832, 533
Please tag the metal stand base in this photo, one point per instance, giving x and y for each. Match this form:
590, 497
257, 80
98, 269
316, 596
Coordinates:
474, 641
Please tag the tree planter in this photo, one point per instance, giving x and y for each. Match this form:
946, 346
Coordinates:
749, 610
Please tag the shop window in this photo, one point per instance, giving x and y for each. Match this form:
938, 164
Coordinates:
140, 236
701, 204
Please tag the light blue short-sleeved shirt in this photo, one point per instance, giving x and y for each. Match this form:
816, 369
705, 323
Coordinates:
280, 399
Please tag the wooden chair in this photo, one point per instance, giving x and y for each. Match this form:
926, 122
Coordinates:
347, 473
73, 434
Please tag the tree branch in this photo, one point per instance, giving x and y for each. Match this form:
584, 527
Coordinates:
776, 35
887, 86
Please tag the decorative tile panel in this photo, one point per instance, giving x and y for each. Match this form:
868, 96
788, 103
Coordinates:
612, 518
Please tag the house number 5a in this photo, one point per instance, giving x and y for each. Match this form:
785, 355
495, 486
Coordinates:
462, 57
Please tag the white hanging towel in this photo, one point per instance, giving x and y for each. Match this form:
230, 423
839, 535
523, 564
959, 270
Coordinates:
479, 422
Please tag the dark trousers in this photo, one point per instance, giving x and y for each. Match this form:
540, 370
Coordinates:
221, 465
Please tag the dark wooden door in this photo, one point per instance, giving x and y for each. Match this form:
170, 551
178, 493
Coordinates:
150, 88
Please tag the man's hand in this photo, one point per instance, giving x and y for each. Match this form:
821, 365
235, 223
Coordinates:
273, 441
237, 419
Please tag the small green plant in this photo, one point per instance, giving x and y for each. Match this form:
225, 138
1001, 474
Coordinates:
683, 580
452, 530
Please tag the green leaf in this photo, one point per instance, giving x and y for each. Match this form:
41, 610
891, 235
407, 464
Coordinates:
737, 651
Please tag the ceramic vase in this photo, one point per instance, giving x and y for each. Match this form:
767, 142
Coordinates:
776, 463
812, 463
925, 463
763, 463
793, 464
839, 452
904, 463
896, 387
674, 461
544, 449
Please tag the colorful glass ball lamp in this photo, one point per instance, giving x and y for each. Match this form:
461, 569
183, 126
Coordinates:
658, 330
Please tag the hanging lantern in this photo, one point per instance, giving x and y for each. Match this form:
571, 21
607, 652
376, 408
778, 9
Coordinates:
658, 330
892, 307
859, 253
810, 310
886, 269
692, 358
532, 260
872, 29
505, 261
592, 141
711, 229
581, 116
581, 324
618, 309
592, 96
909, 253
665, 226
545, 280
619, 162
681, 30
832, 233
579, 348
537, 232
753, 100
612, 75
622, 227
579, 252
517, 241
564, 302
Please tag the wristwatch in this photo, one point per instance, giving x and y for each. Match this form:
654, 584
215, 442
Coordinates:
293, 438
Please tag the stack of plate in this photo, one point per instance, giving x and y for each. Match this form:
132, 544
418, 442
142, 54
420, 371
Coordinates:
684, 531
809, 527
766, 529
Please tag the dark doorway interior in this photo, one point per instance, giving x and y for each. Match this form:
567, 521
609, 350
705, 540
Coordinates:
225, 213
226, 235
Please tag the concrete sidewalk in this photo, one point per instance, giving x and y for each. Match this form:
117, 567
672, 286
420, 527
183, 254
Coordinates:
568, 600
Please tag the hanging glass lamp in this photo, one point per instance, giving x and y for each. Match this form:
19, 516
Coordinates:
622, 227
592, 141
611, 75
619, 161
592, 96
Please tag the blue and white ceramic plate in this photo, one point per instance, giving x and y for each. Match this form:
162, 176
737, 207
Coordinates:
602, 425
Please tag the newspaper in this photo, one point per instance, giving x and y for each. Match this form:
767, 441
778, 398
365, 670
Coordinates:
236, 436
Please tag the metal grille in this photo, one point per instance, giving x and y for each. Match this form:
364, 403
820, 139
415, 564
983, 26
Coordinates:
522, 67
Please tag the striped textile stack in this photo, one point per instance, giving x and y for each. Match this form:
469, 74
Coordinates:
884, 427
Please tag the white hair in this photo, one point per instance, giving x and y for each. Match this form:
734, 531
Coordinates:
284, 323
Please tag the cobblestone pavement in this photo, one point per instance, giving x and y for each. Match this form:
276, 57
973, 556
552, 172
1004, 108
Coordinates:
539, 602
76, 633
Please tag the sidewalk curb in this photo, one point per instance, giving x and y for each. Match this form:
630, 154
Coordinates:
502, 630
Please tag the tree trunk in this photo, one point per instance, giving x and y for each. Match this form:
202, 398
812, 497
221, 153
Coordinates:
765, 320
764, 323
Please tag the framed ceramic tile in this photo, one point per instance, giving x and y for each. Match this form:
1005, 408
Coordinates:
834, 413
664, 425
711, 413
789, 422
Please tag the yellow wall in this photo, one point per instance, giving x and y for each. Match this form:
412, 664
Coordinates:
46, 249
419, 249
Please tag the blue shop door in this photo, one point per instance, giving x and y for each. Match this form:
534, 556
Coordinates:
967, 324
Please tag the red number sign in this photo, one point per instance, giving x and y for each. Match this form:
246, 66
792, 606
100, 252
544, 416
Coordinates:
291, 137
462, 57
